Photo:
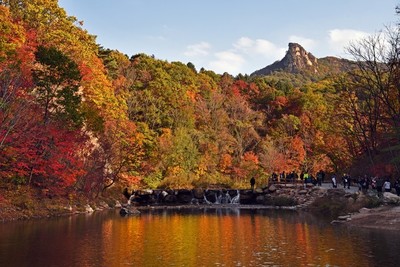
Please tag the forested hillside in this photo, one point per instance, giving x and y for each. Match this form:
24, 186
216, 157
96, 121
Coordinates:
77, 117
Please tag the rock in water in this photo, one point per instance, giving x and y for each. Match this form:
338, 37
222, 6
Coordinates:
89, 209
128, 211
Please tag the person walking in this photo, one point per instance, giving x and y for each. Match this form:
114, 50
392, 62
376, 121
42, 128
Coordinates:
345, 181
334, 184
252, 182
397, 186
319, 178
305, 177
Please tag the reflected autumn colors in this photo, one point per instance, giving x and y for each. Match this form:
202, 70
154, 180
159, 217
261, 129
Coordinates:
201, 237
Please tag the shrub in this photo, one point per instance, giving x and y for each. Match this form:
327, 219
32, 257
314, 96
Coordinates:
330, 206
215, 180
154, 179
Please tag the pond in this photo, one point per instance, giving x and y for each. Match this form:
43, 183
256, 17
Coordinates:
195, 237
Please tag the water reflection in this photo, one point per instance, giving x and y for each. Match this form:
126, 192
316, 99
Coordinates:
199, 237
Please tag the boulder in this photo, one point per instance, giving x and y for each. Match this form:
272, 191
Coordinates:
272, 188
303, 192
104, 205
198, 193
89, 209
390, 198
160, 196
126, 193
211, 196
258, 191
170, 199
360, 198
184, 196
143, 199
247, 197
260, 199
336, 192
289, 185
344, 217
144, 192
69, 208
264, 188
128, 211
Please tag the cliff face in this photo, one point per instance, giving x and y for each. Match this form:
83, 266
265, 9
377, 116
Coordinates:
298, 60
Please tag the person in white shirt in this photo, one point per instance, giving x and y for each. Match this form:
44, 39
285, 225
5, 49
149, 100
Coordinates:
334, 184
387, 186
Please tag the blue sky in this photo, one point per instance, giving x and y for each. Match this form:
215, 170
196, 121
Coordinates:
230, 35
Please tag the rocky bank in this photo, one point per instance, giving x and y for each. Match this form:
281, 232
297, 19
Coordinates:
355, 209
274, 195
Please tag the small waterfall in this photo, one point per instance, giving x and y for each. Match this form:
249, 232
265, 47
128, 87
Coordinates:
218, 197
236, 199
227, 198
206, 200
221, 197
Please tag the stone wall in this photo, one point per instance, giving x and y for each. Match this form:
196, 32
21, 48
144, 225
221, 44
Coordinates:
278, 195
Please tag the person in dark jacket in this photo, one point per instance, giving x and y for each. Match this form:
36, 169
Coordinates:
252, 182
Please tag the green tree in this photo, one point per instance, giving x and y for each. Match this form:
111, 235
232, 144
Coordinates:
57, 82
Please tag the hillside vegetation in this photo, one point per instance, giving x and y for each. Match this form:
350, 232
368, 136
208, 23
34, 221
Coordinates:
77, 118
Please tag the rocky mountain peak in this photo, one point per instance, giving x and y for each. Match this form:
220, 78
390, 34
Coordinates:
296, 60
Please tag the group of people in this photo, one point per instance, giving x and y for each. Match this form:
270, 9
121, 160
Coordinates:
346, 180
364, 183
304, 176
379, 184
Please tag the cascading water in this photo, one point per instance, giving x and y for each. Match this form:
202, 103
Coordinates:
185, 197
158, 193
205, 198
236, 199
221, 197
218, 197
226, 198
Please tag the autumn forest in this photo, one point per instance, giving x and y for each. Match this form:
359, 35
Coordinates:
76, 117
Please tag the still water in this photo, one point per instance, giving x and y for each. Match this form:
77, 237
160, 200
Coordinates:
201, 237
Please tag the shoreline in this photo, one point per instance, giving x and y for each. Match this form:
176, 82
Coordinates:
385, 217
314, 200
